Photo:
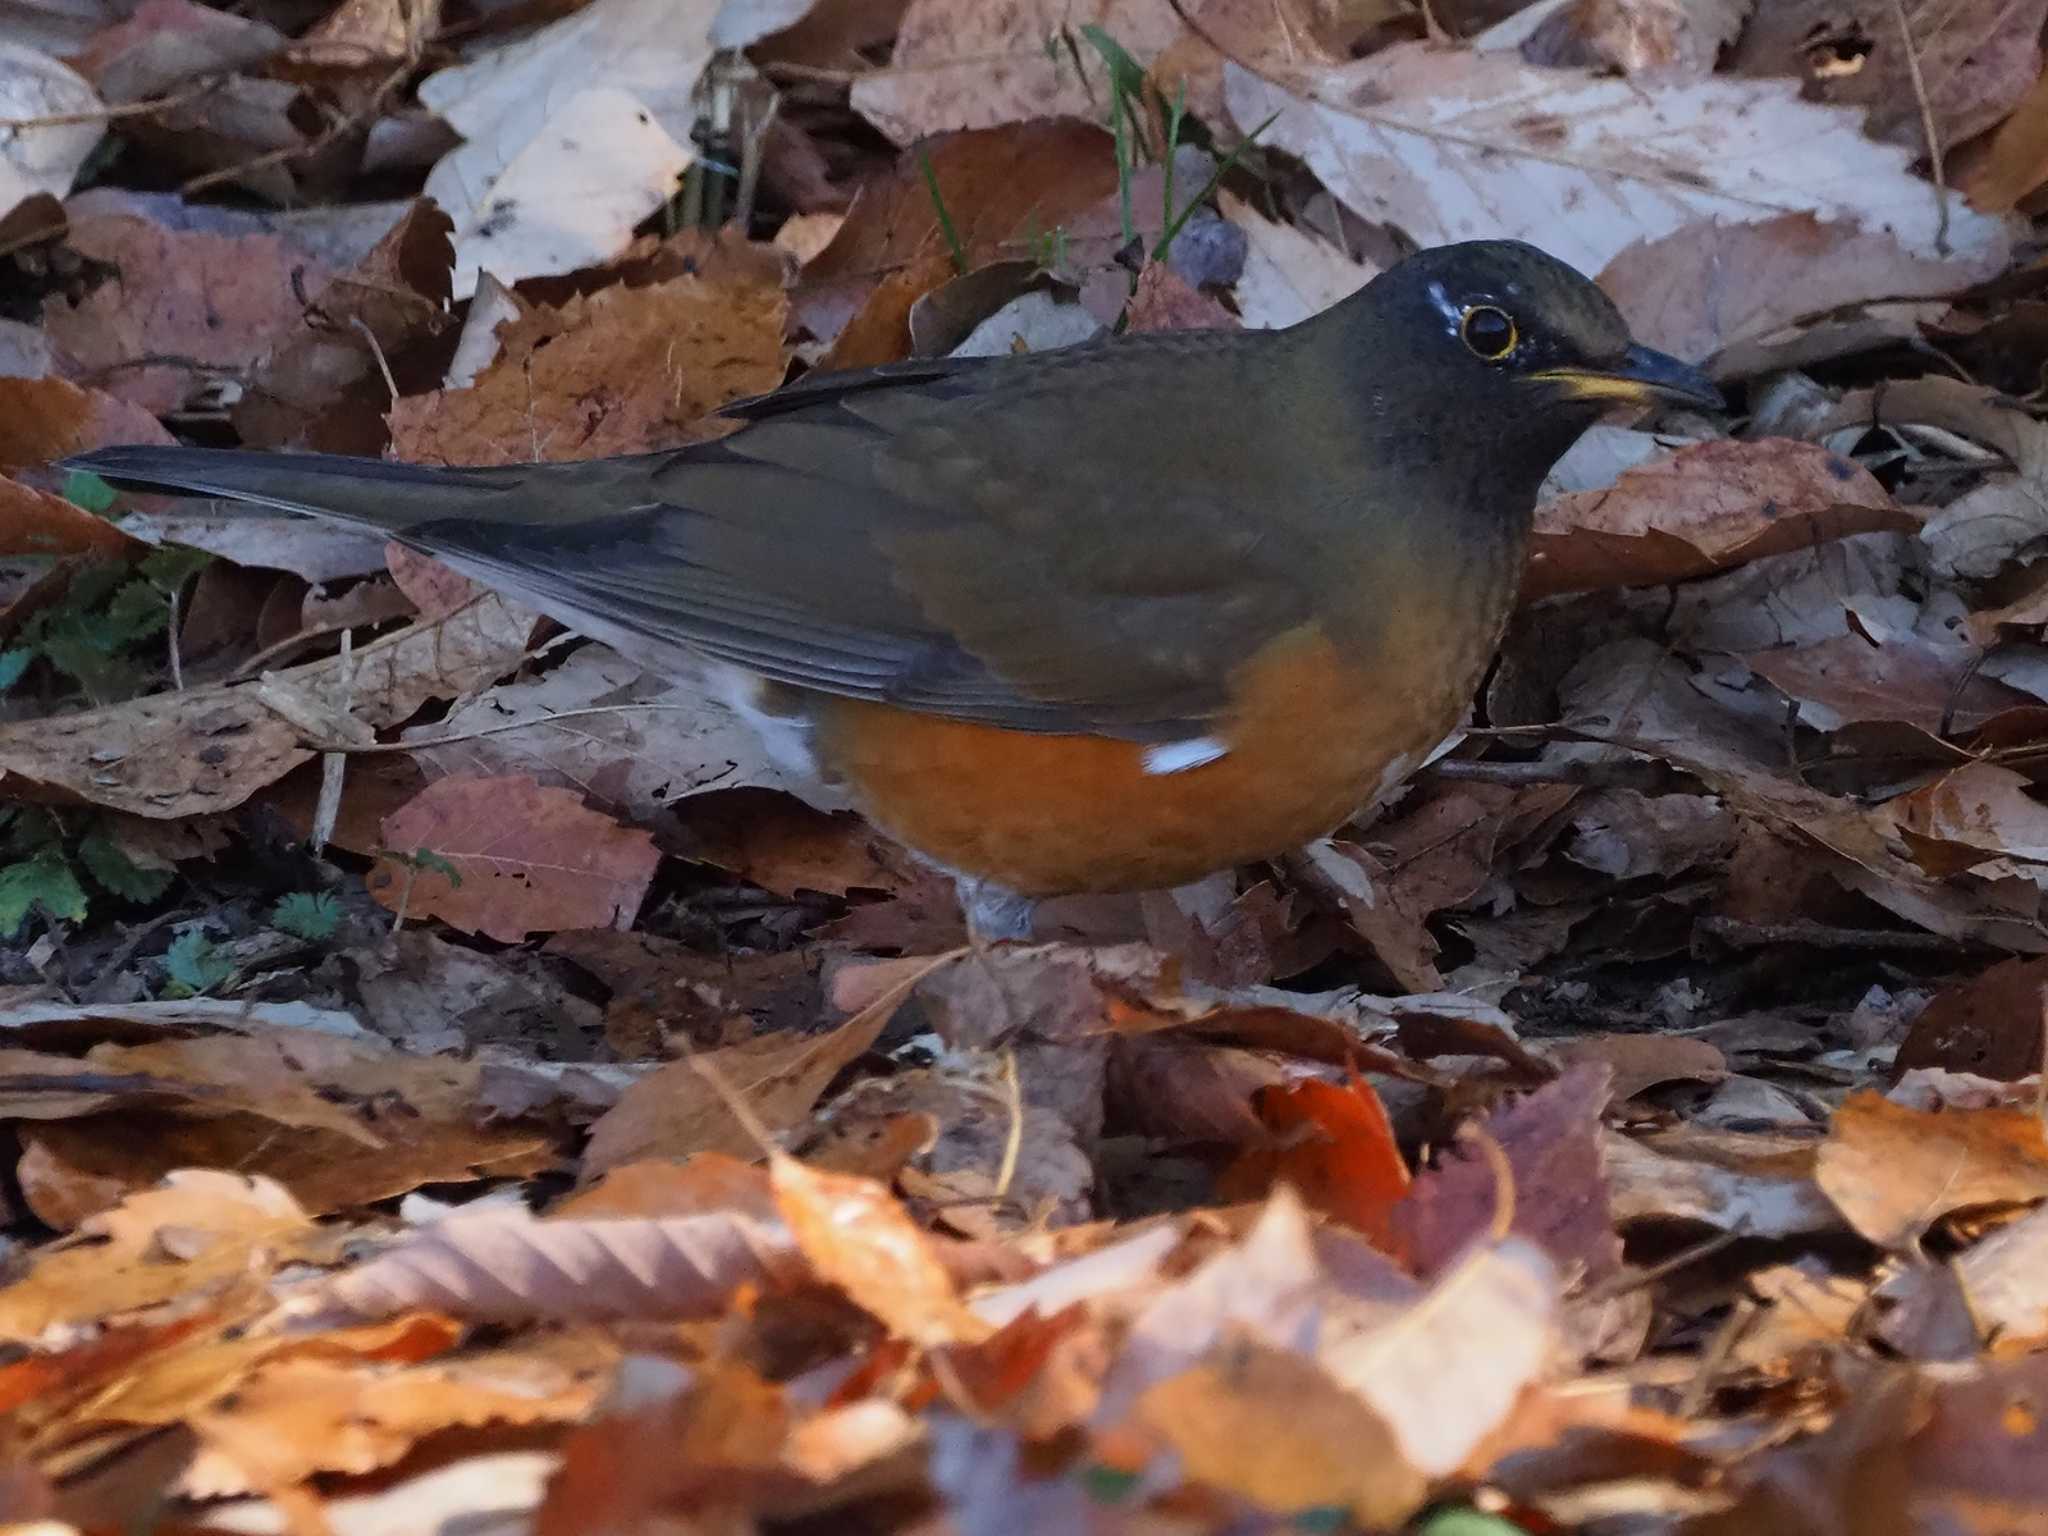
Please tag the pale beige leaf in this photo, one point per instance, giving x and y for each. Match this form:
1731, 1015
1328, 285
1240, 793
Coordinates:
1451, 145
1448, 1370
1289, 274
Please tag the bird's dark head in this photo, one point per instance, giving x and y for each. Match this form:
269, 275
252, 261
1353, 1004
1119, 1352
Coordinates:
1496, 326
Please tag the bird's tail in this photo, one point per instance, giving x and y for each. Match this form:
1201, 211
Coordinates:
365, 493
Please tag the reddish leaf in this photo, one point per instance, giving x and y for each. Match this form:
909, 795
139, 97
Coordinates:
529, 859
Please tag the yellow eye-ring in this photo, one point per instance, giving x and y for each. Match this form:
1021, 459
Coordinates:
1488, 332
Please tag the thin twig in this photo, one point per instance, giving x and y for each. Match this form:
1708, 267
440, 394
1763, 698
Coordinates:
191, 93
1934, 157
377, 352
177, 660
333, 133
1013, 1143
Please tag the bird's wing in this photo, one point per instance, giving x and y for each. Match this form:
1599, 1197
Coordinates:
1065, 542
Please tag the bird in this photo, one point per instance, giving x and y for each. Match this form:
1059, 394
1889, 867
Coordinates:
1106, 618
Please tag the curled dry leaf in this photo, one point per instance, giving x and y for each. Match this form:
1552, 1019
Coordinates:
857, 1236
529, 859
1333, 1143
209, 749
1894, 1172
508, 1265
683, 1109
1652, 39
1451, 145
322, 384
1704, 508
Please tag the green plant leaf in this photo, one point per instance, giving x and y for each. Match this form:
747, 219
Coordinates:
83, 488
940, 211
169, 566
426, 858
44, 881
119, 874
310, 915
192, 967
27, 830
1468, 1522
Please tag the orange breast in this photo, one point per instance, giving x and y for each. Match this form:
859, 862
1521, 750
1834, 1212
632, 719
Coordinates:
1312, 738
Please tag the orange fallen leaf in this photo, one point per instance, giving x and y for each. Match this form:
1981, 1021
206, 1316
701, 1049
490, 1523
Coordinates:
857, 1235
1335, 1144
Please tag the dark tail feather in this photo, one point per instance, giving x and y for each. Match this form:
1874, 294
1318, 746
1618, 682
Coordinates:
368, 493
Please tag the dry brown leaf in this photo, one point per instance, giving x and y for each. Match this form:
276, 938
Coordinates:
625, 370
783, 845
507, 1265
322, 383
1990, 1026
1894, 1172
976, 64
297, 1416
42, 420
1970, 817
209, 749
1704, 508
103, 1156
683, 1108
1847, 679
121, 1262
1001, 186
1728, 289
528, 859
1165, 301
1272, 1427
2013, 162
1967, 65
1640, 1062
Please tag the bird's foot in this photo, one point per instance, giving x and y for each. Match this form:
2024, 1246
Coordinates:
993, 913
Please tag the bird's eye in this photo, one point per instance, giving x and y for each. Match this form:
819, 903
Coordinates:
1488, 332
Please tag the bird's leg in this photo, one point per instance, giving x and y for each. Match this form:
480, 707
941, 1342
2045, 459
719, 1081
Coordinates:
995, 915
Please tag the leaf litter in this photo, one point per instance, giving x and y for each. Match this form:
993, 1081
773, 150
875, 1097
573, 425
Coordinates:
438, 1057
